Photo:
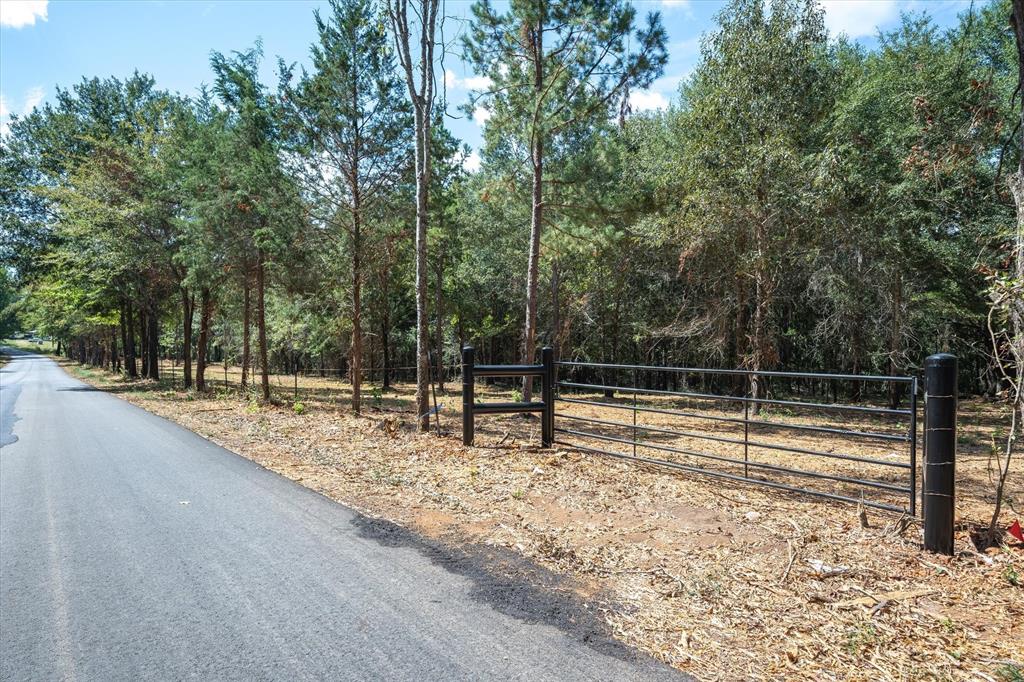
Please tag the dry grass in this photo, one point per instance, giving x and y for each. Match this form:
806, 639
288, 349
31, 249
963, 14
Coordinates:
716, 578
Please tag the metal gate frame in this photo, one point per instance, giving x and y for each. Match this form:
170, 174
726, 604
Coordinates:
546, 405
910, 436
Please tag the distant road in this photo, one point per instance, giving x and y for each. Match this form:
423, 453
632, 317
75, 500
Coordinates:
130, 548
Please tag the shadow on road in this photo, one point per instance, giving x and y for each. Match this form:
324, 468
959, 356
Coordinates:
510, 584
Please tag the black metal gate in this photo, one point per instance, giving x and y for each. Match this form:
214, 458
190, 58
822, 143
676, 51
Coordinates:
783, 430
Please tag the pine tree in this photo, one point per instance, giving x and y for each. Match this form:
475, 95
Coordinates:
555, 66
345, 124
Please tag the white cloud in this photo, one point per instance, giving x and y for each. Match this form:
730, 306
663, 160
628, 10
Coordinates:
471, 162
658, 96
481, 116
859, 18
477, 82
453, 82
32, 99
645, 100
675, 4
20, 13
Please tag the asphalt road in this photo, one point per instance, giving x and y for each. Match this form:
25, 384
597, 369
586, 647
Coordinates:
130, 548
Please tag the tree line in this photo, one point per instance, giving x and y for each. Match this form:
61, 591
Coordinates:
804, 203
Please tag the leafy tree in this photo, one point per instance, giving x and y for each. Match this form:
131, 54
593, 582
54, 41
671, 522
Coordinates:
258, 188
753, 114
556, 67
415, 43
346, 125
1006, 291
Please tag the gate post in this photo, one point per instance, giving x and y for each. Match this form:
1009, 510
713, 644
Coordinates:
467, 395
940, 377
547, 427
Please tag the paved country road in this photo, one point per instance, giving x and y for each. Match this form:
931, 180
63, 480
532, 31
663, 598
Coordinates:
131, 548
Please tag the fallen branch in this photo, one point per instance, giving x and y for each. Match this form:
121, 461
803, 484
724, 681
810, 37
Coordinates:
794, 551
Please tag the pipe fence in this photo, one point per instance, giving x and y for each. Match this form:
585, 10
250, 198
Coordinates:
745, 426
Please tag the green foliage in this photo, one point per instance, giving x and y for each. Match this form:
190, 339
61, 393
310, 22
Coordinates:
805, 202
1012, 576
1009, 672
9, 300
557, 67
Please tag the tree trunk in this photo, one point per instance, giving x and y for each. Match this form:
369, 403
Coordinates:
462, 331
188, 303
422, 320
533, 274
536, 216
356, 352
439, 325
609, 393
205, 312
532, 265
115, 358
385, 342
129, 342
895, 338
421, 92
124, 334
246, 324
144, 342
762, 348
857, 350
261, 322
556, 312
757, 357
153, 337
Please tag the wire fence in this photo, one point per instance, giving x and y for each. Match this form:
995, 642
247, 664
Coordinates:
330, 384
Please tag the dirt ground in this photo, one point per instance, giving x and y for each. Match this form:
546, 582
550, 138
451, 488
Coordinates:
721, 579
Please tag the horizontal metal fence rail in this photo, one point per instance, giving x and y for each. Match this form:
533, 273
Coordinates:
740, 372
642, 439
738, 399
739, 420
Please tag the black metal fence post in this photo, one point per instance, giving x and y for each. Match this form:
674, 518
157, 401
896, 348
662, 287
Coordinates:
547, 429
467, 395
940, 376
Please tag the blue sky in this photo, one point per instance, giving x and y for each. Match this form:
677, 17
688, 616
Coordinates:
45, 45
